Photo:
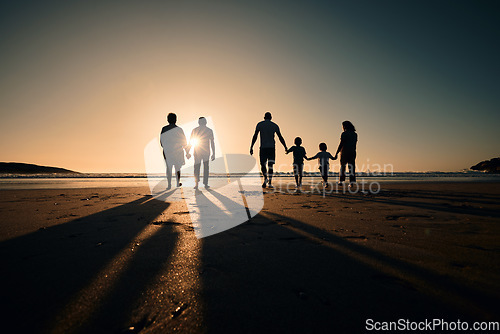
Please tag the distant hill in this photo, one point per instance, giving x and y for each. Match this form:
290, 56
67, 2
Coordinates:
489, 166
20, 168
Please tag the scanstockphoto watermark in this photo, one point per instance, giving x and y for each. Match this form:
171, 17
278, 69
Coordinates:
232, 194
437, 325
231, 198
318, 187
366, 180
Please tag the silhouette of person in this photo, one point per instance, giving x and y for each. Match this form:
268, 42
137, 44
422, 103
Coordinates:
299, 153
173, 142
202, 138
347, 149
267, 152
324, 162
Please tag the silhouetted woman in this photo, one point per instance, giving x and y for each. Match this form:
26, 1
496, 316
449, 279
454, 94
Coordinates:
347, 149
174, 143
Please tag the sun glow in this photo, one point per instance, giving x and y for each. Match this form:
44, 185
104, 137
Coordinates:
193, 142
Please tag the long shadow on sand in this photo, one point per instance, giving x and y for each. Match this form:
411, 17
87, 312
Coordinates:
456, 196
409, 199
44, 271
278, 274
270, 274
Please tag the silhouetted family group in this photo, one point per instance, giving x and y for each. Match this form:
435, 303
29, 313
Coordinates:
267, 154
174, 144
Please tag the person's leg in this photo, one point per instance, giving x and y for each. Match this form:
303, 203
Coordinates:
270, 168
324, 175
270, 164
206, 171
263, 169
342, 171
296, 173
263, 162
300, 170
352, 170
178, 175
169, 175
197, 165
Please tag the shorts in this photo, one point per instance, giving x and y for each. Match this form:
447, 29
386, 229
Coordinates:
298, 169
267, 154
324, 170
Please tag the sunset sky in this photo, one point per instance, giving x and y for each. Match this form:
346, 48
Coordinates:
87, 85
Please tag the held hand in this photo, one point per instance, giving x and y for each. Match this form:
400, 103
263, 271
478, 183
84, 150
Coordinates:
188, 156
251, 151
213, 157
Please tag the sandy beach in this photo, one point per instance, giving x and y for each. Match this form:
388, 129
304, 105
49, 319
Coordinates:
116, 260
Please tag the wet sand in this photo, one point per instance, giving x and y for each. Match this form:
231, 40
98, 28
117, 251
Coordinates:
118, 261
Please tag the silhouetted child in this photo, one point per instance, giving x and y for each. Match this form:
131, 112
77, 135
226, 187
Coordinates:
299, 153
324, 162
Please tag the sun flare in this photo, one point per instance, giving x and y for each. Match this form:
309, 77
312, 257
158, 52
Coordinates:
193, 142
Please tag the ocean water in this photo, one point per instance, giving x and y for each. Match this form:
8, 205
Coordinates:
61, 181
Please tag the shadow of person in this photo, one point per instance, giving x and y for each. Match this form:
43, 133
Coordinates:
433, 203
124, 300
234, 204
214, 213
267, 275
42, 272
450, 289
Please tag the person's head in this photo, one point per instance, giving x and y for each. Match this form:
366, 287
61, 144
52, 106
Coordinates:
202, 121
298, 141
322, 147
348, 126
268, 116
171, 118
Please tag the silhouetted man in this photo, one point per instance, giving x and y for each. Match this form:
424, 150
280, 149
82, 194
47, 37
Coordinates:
267, 152
202, 138
174, 143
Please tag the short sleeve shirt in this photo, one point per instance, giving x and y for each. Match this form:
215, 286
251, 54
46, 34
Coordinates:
267, 129
299, 153
204, 135
348, 140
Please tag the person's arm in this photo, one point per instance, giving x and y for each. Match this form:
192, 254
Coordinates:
186, 145
330, 156
254, 139
312, 158
280, 137
161, 134
162, 150
341, 144
289, 150
212, 144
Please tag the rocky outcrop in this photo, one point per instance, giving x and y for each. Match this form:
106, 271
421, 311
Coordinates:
488, 166
22, 168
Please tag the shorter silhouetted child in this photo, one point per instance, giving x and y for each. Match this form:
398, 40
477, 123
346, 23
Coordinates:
324, 162
299, 153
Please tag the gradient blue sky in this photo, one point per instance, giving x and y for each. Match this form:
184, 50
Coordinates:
86, 85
